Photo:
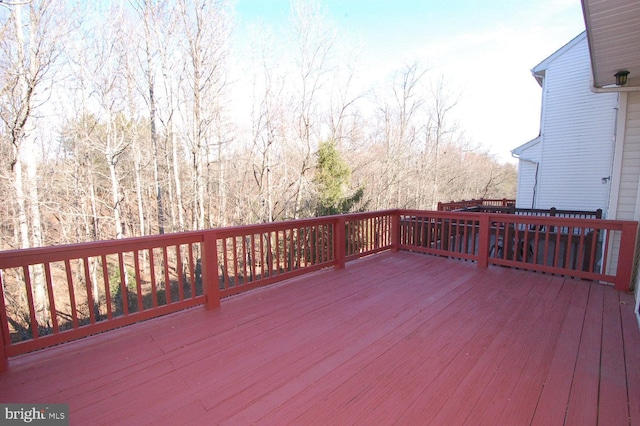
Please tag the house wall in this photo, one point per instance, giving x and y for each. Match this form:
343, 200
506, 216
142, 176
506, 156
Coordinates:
577, 135
625, 203
527, 177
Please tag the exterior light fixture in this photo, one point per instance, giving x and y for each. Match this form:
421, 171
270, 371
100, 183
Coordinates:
621, 77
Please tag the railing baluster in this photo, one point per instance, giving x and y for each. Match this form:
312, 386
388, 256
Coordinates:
236, 280
152, 273
245, 272
580, 253
136, 272
167, 279
225, 259
52, 300
594, 244
292, 253
536, 241
192, 280
277, 249
72, 294
179, 273
338, 242
124, 284
568, 249
31, 306
557, 248
262, 258
90, 298
105, 285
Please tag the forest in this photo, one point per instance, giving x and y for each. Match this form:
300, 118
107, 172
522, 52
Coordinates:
141, 117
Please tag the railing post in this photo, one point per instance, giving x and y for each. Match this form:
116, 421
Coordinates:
339, 242
395, 231
210, 280
483, 241
626, 256
4, 361
4, 330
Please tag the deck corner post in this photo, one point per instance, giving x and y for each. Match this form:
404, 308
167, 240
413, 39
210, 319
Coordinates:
5, 339
395, 231
339, 242
626, 256
4, 360
210, 281
483, 241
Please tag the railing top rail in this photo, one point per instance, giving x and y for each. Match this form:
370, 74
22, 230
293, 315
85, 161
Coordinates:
286, 224
524, 219
19, 257
483, 202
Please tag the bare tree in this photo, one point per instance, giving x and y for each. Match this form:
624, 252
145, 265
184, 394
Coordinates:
315, 45
268, 120
30, 46
400, 118
438, 131
206, 31
150, 12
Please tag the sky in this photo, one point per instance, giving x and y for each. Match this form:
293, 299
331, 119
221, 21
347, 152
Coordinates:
483, 49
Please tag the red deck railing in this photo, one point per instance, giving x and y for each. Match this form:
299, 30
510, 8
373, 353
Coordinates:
53, 295
481, 202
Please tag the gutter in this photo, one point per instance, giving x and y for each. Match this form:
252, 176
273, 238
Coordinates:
517, 157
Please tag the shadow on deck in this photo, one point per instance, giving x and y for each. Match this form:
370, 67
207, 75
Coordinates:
395, 337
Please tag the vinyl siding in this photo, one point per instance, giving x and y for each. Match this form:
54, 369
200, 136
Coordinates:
630, 171
577, 130
527, 176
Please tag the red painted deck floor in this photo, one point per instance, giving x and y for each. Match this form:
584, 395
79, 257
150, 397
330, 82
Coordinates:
396, 338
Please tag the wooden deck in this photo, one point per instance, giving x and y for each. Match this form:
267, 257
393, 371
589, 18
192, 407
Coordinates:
395, 338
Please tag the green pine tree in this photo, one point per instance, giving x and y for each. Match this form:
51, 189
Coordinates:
332, 180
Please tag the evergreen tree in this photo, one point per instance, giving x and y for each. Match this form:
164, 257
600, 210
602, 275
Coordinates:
332, 181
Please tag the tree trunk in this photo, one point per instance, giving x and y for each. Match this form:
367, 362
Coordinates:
117, 198
176, 177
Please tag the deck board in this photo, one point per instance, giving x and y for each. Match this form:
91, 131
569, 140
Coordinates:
613, 384
583, 401
493, 366
393, 338
631, 356
556, 388
519, 389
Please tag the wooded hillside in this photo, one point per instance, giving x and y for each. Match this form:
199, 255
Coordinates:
138, 117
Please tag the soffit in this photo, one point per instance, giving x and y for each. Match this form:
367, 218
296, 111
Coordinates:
613, 31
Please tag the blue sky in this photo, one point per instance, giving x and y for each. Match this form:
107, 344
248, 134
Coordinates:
484, 49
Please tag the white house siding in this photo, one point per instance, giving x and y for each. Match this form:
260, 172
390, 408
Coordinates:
527, 170
630, 169
627, 204
525, 191
578, 132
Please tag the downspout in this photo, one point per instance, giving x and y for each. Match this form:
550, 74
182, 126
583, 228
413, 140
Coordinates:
535, 180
